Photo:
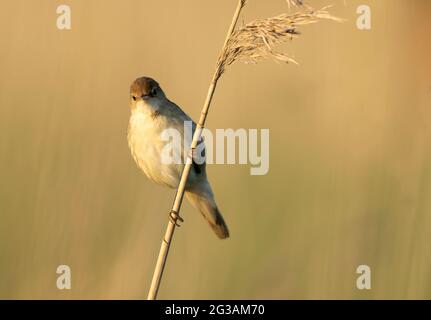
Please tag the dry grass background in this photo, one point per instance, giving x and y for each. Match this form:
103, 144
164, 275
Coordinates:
350, 170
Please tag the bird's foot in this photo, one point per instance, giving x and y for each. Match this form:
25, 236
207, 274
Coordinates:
174, 217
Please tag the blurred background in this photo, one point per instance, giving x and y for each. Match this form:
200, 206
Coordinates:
350, 155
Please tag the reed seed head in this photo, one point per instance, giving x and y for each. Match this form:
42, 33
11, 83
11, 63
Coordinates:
258, 39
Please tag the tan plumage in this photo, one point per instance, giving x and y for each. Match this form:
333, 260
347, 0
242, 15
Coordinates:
151, 114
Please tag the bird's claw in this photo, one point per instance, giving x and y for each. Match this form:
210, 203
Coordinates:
174, 217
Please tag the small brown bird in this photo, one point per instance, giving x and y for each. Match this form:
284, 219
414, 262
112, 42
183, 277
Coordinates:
151, 114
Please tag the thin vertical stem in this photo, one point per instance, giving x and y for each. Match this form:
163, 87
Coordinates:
164, 249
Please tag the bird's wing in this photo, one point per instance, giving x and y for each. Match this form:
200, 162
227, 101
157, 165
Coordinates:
199, 156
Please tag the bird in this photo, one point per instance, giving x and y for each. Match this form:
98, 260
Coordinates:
151, 114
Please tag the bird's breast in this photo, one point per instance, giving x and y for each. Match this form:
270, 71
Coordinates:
146, 145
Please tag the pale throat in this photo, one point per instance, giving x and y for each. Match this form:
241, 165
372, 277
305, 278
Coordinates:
147, 108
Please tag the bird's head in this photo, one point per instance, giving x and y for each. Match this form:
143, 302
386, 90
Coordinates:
146, 92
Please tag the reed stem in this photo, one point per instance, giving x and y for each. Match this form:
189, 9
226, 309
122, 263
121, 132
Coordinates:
166, 243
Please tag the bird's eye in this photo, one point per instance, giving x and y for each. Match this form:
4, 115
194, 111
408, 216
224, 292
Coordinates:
134, 98
154, 92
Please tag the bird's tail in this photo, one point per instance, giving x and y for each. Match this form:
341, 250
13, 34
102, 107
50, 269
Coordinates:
205, 203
